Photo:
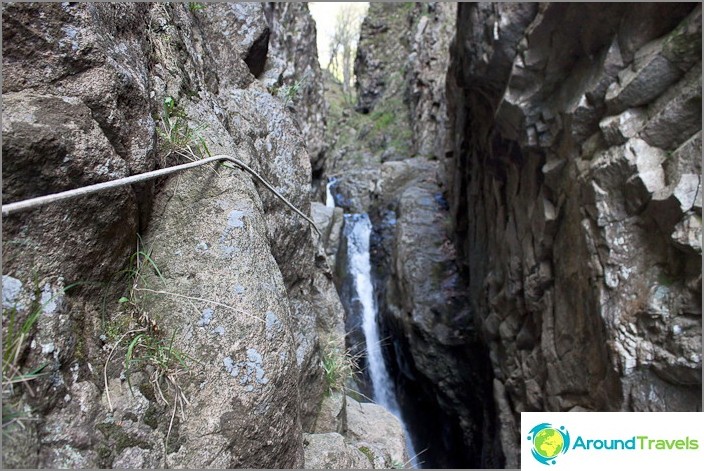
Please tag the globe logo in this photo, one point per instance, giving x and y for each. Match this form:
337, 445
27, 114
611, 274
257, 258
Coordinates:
548, 442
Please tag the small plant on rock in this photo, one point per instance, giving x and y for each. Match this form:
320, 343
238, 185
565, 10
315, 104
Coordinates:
368, 453
14, 344
195, 6
177, 136
146, 346
339, 366
290, 92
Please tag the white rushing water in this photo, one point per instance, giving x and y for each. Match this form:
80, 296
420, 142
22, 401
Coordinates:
329, 200
360, 269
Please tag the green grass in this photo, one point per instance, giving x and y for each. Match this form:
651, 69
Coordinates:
144, 345
195, 6
289, 93
382, 119
177, 136
368, 453
339, 366
147, 348
387, 125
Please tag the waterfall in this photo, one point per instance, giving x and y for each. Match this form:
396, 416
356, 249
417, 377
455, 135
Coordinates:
360, 270
358, 228
329, 200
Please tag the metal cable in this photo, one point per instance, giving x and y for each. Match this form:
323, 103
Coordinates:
32, 203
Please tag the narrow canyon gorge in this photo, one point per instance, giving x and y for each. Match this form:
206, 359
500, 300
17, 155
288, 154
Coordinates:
502, 214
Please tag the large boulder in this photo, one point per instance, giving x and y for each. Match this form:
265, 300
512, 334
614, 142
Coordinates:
222, 295
362, 434
331, 451
377, 427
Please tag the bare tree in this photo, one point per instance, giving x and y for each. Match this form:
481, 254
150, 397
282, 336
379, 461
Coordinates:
343, 43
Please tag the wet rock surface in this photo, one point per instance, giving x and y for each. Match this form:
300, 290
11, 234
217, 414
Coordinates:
426, 314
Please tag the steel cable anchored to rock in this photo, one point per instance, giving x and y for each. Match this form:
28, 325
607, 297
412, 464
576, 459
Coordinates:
32, 203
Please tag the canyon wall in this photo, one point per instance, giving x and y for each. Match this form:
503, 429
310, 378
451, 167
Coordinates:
293, 41
575, 196
388, 161
532, 172
537, 246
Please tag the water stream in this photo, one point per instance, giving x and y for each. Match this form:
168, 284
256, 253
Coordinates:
329, 200
358, 228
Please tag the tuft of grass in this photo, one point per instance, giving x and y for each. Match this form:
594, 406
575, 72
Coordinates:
148, 348
130, 302
290, 92
338, 365
368, 453
177, 136
382, 120
195, 6
144, 345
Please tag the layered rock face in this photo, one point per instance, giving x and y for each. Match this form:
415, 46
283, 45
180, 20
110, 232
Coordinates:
212, 356
576, 198
537, 216
378, 66
569, 261
425, 77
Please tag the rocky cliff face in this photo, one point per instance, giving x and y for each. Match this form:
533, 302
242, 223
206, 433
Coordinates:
392, 169
197, 344
425, 77
567, 257
576, 197
439, 360
535, 194
293, 40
